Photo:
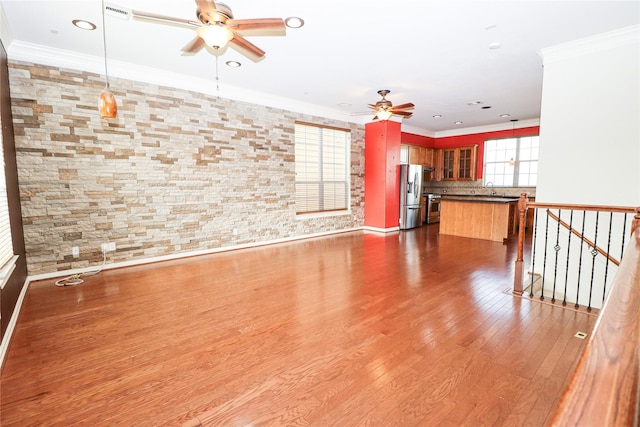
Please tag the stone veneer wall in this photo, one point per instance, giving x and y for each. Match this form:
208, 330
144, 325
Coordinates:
175, 172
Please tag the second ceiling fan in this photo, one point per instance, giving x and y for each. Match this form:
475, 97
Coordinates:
217, 28
384, 109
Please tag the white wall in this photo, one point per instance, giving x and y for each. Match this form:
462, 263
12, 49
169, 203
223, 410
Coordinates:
590, 121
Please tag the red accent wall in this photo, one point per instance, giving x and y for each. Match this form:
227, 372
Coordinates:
413, 139
471, 139
382, 173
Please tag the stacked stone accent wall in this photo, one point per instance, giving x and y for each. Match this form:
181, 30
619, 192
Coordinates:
175, 172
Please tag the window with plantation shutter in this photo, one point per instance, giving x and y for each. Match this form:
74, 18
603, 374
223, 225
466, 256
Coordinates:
322, 168
6, 244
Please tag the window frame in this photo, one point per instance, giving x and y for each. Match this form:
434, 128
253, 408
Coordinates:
516, 166
7, 254
321, 168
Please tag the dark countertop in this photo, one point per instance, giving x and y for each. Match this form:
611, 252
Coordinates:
479, 199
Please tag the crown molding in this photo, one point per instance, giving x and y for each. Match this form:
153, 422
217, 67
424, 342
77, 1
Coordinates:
489, 128
418, 131
588, 45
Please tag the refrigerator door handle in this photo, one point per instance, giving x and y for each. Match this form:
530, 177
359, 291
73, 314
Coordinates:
416, 183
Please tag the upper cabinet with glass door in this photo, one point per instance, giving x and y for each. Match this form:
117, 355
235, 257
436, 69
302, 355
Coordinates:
459, 164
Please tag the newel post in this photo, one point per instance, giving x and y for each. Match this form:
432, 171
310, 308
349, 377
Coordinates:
519, 268
635, 225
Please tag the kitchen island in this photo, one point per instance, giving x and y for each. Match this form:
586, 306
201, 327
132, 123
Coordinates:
479, 217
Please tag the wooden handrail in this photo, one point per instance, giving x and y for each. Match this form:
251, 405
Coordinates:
604, 390
620, 209
580, 236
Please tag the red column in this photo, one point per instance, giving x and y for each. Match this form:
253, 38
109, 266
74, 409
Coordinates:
381, 174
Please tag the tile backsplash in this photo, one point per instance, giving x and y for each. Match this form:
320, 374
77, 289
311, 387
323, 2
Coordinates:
475, 188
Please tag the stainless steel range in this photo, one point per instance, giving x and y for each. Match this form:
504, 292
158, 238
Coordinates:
433, 208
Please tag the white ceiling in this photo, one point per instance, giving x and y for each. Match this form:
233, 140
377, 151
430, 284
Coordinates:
434, 53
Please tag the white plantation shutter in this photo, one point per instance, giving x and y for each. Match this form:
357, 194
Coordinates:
6, 245
322, 168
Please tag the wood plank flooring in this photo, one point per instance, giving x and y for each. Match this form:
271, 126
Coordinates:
356, 329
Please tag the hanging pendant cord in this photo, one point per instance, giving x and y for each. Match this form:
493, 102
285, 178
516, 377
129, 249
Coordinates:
104, 45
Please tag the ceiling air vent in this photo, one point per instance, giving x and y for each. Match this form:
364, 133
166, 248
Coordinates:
117, 11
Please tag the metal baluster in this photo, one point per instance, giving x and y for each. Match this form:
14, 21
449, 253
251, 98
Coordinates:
533, 256
566, 275
606, 268
557, 249
594, 252
544, 261
584, 216
624, 234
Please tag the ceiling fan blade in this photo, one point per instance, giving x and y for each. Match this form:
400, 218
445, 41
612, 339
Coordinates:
206, 7
162, 18
402, 113
193, 47
246, 48
407, 106
258, 27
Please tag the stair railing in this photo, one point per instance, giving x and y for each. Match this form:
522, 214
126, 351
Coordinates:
604, 388
575, 251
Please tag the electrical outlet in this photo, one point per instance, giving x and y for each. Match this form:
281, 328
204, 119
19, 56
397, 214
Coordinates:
75, 251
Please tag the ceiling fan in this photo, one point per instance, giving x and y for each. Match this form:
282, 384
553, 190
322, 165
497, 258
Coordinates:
217, 28
385, 109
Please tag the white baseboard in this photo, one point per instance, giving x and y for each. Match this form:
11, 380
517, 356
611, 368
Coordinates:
380, 230
6, 339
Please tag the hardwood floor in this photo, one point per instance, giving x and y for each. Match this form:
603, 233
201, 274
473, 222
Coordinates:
355, 329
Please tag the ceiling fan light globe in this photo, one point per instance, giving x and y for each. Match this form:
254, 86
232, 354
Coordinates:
107, 105
215, 35
383, 115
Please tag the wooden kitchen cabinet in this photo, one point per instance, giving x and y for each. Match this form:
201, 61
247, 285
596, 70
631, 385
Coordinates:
421, 155
428, 157
458, 164
414, 155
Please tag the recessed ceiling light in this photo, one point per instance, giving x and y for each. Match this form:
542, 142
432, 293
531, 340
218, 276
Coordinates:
437, 116
495, 45
457, 123
505, 115
490, 26
85, 25
294, 22
234, 64
54, 31
474, 102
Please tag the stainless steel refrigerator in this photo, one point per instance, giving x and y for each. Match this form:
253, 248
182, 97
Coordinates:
410, 196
